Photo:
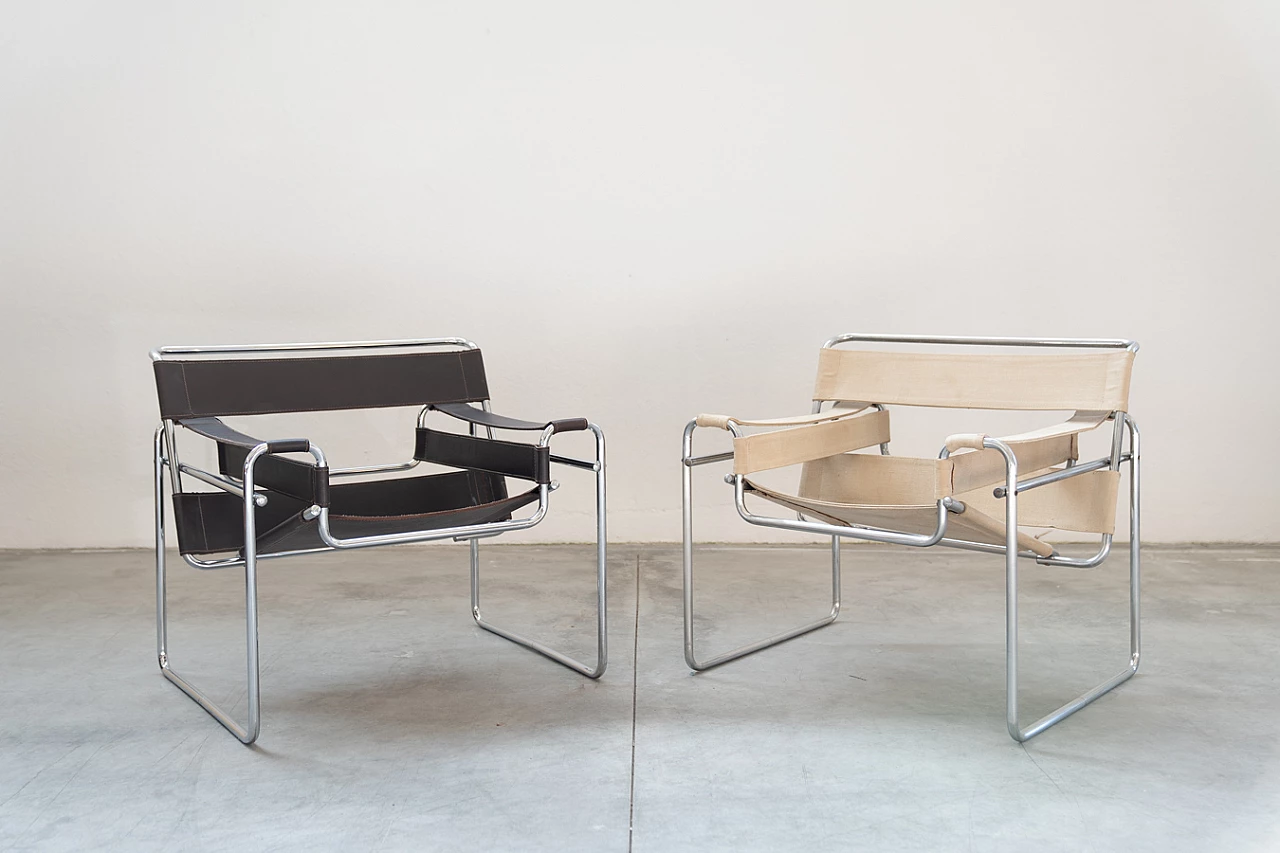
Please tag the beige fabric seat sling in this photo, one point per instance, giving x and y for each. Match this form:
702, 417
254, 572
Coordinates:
978, 493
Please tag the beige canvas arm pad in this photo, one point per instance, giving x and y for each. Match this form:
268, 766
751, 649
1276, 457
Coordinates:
965, 440
723, 421
713, 421
798, 444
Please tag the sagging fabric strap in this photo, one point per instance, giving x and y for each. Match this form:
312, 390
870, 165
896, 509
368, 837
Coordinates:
213, 522
510, 458
969, 526
863, 478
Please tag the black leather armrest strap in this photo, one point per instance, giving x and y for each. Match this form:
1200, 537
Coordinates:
218, 431
471, 414
296, 478
510, 458
301, 480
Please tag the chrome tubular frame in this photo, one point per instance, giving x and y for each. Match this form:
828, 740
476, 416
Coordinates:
1009, 550
233, 349
165, 455
958, 340
602, 598
248, 733
1016, 731
223, 483
688, 463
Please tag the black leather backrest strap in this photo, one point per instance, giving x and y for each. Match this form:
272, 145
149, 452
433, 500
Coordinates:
526, 461
297, 479
256, 386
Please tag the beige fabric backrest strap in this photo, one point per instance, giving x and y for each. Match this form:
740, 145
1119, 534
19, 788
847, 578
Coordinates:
792, 446
1093, 380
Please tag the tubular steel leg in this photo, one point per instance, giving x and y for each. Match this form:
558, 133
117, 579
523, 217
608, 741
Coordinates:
1011, 603
690, 657
1135, 544
162, 626
249, 734
602, 598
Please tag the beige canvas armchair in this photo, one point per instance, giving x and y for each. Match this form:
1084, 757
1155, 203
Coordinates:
979, 493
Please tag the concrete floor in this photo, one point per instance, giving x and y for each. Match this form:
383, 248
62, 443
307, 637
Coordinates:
391, 723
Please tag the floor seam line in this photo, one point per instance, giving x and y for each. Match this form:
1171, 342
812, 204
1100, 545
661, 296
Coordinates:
635, 680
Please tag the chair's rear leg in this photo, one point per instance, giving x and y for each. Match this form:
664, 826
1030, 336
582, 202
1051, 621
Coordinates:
602, 591
249, 734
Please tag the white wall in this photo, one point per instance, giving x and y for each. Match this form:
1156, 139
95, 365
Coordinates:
640, 212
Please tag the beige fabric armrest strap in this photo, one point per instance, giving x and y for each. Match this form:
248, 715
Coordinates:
1078, 423
723, 421
1035, 450
797, 444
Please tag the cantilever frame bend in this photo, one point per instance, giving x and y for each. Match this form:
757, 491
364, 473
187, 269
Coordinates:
973, 495
269, 503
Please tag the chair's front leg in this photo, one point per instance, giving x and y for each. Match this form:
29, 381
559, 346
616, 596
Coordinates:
687, 464
249, 733
1016, 731
1010, 586
1135, 543
602, 592
162, 625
